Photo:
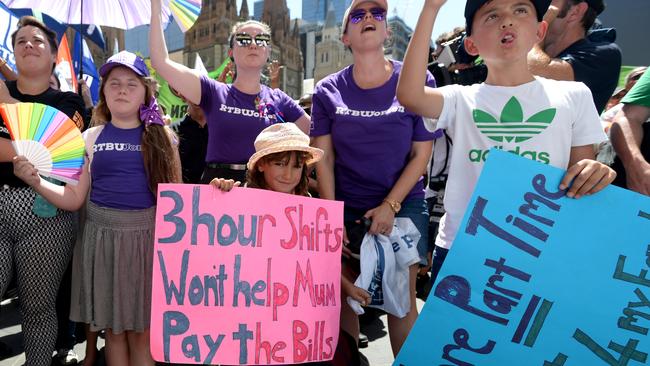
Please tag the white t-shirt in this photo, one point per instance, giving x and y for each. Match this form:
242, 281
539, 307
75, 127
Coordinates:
540, 120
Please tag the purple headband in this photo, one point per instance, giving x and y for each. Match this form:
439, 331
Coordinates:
151, 114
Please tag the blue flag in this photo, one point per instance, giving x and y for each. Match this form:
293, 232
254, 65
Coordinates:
90, 74
92, 32
8, 22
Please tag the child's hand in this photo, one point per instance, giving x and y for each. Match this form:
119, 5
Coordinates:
224, 184
588, 176
24, 170
357, 293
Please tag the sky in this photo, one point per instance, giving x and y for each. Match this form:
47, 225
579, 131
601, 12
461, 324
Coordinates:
450, 16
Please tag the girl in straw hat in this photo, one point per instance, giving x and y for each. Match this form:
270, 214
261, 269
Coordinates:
280, 162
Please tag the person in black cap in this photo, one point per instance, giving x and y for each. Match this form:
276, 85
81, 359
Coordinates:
502, 111
571, 51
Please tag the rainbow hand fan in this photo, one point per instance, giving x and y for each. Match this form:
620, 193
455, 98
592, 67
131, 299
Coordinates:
47, 137
185, 12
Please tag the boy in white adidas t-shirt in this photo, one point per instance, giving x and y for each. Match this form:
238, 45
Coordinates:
553, 122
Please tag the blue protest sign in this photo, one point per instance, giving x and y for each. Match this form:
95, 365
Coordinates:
536, 278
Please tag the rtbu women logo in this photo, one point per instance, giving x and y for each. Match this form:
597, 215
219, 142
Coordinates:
511, 126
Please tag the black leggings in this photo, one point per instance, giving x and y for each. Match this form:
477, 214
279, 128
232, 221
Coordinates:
38, 250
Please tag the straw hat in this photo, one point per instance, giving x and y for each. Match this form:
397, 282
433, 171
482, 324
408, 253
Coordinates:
280, 137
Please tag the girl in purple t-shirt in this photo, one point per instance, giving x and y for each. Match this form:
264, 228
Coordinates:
236, 113
375, 151
131, 153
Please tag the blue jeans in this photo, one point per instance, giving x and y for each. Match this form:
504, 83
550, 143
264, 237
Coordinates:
416, 210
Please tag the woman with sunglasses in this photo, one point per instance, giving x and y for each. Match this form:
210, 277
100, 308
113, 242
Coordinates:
375, 151
236, 113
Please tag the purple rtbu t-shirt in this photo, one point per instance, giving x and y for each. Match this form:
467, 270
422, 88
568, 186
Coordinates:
372, 135
118, 176
235, 118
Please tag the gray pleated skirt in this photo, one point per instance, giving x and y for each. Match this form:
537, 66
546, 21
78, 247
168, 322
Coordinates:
112, 265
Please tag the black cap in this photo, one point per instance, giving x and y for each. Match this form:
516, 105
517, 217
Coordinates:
472, 6
597, 5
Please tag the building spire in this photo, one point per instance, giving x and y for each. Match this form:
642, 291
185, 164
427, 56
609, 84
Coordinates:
243, 12
330, 19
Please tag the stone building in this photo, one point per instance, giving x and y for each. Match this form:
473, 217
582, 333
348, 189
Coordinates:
209, 38
331, 53
286, 45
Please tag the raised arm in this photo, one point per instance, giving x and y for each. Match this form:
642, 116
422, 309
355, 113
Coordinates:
6, 71
412, 92
179, 77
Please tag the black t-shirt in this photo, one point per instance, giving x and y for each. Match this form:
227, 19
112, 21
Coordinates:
192, 147
596, 61
67, 102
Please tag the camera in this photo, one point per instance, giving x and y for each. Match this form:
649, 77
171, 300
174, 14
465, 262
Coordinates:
455, 66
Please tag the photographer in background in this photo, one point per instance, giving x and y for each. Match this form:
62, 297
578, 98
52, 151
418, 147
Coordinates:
451, 64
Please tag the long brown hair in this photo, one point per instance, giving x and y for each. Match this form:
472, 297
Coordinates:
160, 163
255, 178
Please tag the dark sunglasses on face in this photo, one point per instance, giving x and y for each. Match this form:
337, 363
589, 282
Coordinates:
245, 39
357, 15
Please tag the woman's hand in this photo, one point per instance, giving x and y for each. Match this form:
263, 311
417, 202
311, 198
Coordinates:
382, 218
24, 170
224, 184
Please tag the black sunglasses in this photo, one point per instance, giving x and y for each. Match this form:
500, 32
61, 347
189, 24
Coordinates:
245, 39
357, 15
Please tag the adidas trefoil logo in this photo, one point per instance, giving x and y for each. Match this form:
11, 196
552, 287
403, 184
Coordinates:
511, 126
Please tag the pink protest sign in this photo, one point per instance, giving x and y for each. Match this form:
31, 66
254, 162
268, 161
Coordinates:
245, 277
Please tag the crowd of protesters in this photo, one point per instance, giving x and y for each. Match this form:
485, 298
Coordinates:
385, 137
